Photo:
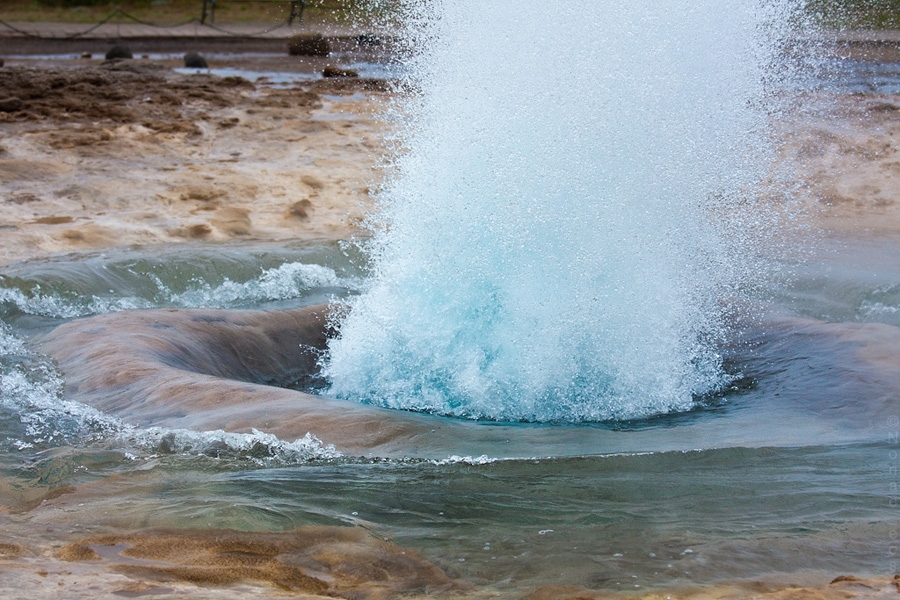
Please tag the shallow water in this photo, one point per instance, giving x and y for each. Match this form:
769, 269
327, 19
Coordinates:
269, 68
846, 74
791, 471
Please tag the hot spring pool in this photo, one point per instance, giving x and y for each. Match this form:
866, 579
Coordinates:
790, 471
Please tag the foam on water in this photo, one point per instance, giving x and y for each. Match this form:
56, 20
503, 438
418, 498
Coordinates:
65, 306
566, 210
286, 281
31, 391
290, 280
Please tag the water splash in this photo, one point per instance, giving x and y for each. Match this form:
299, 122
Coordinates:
288, 281
566, 211
31, 392
58, 300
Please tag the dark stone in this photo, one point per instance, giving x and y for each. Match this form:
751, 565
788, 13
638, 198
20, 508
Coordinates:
85, 55
300, 209
368, 39
119, 51
192, 60
1, 62
309, 44
11, 104
332, 71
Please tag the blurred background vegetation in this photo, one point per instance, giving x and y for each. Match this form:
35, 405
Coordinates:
855, 14
836, 14
177, 11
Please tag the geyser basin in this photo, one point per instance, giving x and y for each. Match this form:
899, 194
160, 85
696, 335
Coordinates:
804, 488
578, 505
211, 369
570, 207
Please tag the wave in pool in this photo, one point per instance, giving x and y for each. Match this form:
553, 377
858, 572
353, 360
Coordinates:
31, 392
58, 288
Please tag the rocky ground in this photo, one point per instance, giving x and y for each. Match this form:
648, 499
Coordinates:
96, 154
843, 154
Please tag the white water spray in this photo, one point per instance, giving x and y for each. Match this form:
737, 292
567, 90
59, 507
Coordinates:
559, 229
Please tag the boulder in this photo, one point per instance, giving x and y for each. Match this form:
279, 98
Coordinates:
119, 51
192, 60
308, 44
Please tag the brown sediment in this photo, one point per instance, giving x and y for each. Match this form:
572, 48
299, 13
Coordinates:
135, 153
344, 562
207, 369
79, 551
53, 220
300, 209
845, 587
846, 158
11, 550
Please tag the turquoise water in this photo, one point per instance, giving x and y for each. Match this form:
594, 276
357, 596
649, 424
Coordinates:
546, 249
791, 470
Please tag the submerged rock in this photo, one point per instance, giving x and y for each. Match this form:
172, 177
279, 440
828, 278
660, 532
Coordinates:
333, 71
119, 51
309, 44
192, 60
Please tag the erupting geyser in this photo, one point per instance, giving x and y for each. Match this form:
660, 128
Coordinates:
564, 219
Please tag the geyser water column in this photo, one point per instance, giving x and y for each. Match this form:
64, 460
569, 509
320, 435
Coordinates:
563, 215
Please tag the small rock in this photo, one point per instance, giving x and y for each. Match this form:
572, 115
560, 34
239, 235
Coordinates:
883, 107
11, 104
198, 231
119, 51
192, 60
86, 55
845, 578
332, 71
309, 44
1, 62
368, 39
312, 182
301, 209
